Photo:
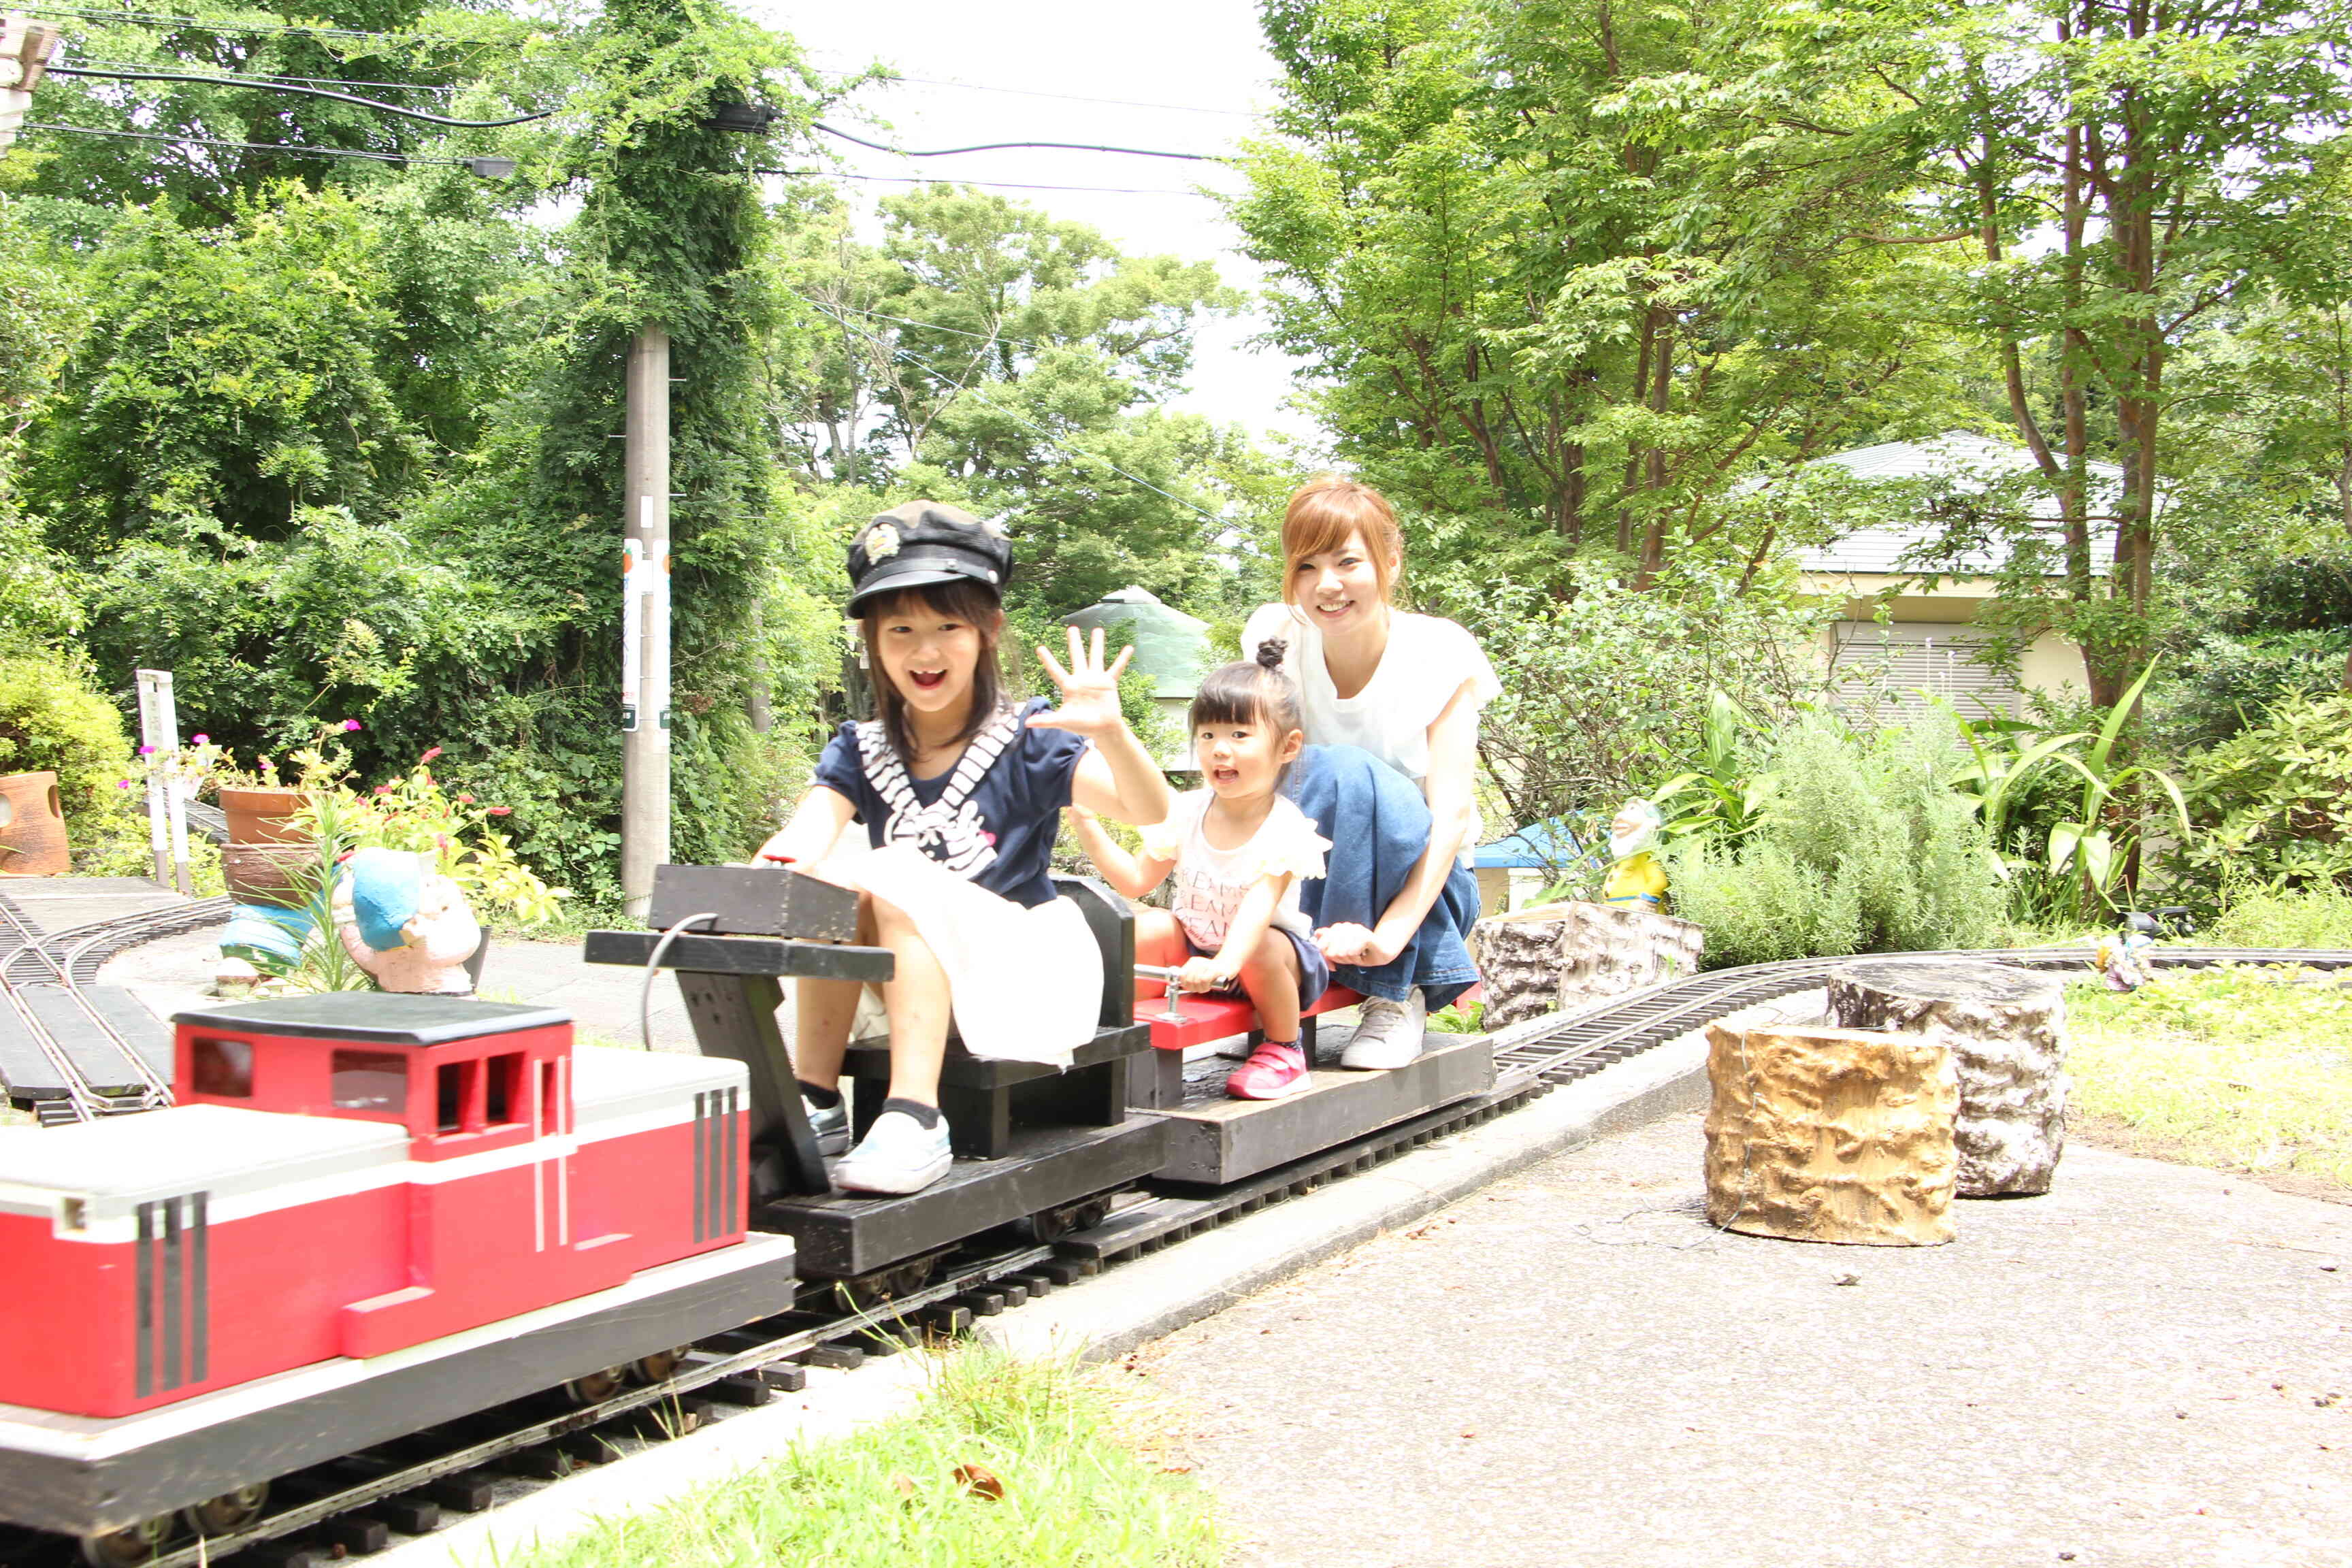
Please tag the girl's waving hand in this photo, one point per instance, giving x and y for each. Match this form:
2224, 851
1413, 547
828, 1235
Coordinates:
1090, 691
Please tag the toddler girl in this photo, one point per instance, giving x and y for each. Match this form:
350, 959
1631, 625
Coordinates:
1239, 850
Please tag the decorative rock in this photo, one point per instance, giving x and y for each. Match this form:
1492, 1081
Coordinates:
1541, 960
2007, 1031
1816, 1133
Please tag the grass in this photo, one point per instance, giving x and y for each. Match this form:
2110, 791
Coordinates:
2242, 1068
1005, 1462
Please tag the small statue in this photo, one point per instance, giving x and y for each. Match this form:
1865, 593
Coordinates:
2122, 959
1636, 880
406, 924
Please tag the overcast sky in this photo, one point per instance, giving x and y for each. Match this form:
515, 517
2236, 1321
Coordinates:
1184, 78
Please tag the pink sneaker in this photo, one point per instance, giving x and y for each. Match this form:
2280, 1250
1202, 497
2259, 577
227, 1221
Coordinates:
1271, 1072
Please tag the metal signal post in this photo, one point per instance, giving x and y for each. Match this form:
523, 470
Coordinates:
645, 635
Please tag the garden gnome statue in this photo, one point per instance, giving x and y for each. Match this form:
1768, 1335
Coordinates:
1636, 880
2122, 959
406, 924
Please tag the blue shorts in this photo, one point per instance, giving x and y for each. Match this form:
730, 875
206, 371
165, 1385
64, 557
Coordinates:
1314, 970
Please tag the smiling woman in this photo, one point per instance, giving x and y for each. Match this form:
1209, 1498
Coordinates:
1390, 702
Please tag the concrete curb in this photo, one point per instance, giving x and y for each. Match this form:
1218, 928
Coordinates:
1139, 1300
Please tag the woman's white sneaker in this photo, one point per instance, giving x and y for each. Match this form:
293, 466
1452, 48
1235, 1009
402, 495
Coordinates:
898, 1154
1388, 1034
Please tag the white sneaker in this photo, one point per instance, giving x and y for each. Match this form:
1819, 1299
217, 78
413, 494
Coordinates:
898, 1154
1388, 1034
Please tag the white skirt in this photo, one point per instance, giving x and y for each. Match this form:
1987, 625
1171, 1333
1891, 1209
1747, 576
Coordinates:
1025, 984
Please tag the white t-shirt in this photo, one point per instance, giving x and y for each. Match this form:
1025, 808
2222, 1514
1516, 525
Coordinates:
1428, 659
1211, 883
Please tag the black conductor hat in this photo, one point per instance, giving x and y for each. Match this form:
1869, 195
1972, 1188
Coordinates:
927, 542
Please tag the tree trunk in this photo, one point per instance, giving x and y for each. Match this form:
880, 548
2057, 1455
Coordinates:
1816, 1133
1543, 960
2007, 1031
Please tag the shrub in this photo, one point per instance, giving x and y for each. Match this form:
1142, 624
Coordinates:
1864, 848
2275, 803
2316, 917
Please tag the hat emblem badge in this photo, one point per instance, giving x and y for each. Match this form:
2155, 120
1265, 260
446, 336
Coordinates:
881, 542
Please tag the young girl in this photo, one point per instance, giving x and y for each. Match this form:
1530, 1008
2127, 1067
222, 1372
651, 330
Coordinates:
961, 794
1239, 851
1399, 899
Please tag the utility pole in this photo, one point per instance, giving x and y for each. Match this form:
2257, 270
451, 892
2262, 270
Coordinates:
644, 621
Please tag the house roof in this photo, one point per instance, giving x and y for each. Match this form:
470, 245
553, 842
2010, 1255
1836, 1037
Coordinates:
1957, 455
1170, 647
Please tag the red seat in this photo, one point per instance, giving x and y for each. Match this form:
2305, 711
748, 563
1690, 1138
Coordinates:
1210, 1019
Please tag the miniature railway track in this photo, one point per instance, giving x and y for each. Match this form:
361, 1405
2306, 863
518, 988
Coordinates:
73, 1048
352, 1505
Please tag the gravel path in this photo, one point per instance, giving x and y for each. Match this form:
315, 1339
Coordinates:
2150, 1366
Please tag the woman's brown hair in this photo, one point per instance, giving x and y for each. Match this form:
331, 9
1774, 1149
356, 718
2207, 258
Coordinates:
1324, 514
960, 600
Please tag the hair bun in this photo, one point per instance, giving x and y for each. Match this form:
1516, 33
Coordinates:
1270, 652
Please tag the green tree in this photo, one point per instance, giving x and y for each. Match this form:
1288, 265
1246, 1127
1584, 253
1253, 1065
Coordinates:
989, 354
1546, 263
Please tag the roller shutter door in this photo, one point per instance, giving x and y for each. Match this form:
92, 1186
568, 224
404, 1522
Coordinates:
1884, 669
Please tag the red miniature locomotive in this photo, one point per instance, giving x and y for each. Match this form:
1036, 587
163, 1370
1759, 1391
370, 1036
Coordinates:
346, 1176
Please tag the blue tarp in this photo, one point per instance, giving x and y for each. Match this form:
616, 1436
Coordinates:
1543, 846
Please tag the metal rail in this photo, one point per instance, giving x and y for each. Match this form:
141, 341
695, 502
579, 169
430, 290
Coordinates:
66, 960
1618, 1026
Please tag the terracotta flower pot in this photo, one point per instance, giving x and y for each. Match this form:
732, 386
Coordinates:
263, 815
32, 826
265, 873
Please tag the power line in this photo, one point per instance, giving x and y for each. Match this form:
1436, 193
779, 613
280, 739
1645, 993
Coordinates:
263, 85
1006, 146
249, 146
992, 184
314, 80
225, 25
1051, 440
1064, 96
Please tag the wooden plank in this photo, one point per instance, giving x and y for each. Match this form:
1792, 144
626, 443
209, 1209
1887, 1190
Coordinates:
847, 1233
1215, 1141
149, 1035
744, 955
25, 1068
753, 900
870, 1059
101, 1063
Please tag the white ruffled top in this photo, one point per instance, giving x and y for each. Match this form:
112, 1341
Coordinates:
1211, 882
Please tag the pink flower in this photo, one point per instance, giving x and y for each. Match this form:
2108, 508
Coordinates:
203, 739
498, 810
349, 724
442, 841
426, 757
465, 800
146, 751
383, 789
122, 783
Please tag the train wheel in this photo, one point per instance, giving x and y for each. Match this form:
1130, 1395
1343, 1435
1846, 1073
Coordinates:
128, 1548
1052, 1224
228, 1512
597, 1386
865, 1291
656, 1367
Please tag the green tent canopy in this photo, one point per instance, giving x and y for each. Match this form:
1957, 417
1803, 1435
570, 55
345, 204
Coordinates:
1170, 647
